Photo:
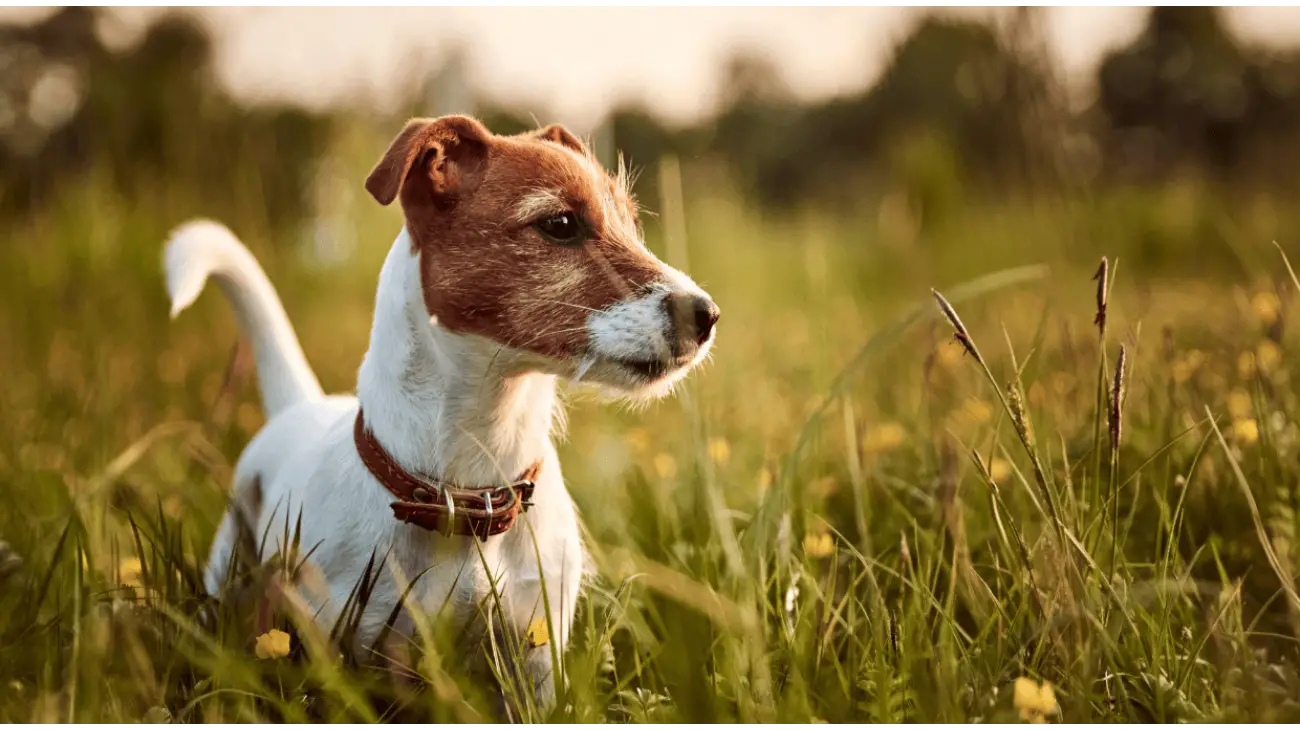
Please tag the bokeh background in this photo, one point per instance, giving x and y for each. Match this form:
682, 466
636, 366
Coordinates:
818, 171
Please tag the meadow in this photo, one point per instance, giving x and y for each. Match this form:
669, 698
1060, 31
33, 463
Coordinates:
849, 514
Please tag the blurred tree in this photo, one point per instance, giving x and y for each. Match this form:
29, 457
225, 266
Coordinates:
950, 84
1051, 133
1176, 97
1273, 142
961, 108
755, 131
1187, 97
642, 140
966, 83
503, 120
152, 120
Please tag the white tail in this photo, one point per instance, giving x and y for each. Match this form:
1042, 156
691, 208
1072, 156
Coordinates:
200, 249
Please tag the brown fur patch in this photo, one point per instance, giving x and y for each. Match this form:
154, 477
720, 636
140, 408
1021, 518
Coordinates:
486, 273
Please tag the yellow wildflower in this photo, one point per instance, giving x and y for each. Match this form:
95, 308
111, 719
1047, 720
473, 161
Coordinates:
1246, 365
1267, 355
999, 469
823, 488
949, 353
1037, 394
274, 644
1062, 383
638, 439
719, 450
1239, 403
665, 466
1266, 306
538, 635
818, 544
882, 438
131, 573
1035, 702
976, 411
1245, 431
1187, 366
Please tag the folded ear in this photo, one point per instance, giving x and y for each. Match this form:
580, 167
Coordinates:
448, 152
558, 134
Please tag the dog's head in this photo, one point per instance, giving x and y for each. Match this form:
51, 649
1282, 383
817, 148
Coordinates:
529, 242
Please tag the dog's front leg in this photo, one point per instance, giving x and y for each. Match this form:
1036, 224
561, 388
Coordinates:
531, 692
540, 668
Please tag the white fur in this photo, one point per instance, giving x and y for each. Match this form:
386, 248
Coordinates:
638, 329
432, 401
200, 249
540, 203
634, 329
459, 407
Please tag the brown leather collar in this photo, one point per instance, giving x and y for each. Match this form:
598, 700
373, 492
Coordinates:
439, 507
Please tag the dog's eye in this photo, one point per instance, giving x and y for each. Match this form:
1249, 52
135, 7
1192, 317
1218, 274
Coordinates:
564, 229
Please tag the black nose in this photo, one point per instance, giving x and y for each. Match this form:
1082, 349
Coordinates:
693, 317
706, 316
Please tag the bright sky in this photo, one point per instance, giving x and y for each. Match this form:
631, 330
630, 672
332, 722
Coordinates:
571, 64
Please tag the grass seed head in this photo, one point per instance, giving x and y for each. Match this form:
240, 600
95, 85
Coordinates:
1117, 400
959, 329
1102, 277
1019, 418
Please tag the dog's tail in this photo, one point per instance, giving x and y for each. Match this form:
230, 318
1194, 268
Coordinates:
201, 249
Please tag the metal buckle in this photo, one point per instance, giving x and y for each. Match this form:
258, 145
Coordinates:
487, 524
522, 487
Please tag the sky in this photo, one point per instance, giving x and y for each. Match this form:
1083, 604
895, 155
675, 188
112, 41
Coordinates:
573, 64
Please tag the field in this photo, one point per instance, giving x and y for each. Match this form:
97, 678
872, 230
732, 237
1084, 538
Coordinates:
843, 517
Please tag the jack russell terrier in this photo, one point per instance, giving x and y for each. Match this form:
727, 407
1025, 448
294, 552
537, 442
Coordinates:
521, 261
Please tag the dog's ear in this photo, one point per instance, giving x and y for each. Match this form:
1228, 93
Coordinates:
558, 134
448, 152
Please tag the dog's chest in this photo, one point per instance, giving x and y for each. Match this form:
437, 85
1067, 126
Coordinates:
347, 518
463, 579
473, 584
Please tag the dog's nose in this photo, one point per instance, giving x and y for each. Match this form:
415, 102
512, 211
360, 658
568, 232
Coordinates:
706, 316
693, 316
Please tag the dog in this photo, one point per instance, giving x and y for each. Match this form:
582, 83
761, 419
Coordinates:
521, 262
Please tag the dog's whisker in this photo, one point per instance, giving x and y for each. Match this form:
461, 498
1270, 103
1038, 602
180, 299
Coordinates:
488, 370
549, 333
569, 304
611, 275
584, 365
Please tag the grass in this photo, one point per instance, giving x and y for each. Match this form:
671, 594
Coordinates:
847, 516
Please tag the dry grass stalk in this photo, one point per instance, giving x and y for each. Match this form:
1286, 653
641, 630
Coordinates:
1117, 401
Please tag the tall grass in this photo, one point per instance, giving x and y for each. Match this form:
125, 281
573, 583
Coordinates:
847, 516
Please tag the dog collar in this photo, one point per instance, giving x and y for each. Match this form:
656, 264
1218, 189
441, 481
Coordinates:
445, 508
